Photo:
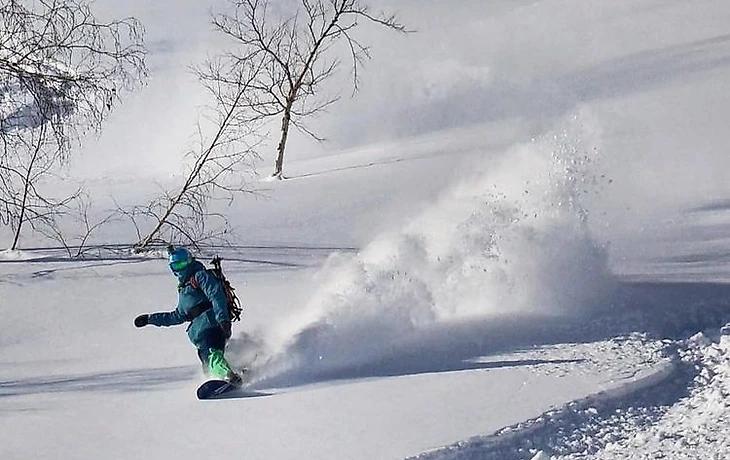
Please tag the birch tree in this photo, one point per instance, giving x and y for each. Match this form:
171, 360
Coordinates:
61, 72
296, 53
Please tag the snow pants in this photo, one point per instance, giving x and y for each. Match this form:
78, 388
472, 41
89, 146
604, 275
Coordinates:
210, 353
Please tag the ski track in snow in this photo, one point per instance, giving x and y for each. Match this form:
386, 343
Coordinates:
683, 416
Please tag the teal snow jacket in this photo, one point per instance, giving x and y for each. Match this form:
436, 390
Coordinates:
209, 297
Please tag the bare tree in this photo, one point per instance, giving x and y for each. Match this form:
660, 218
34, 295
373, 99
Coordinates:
22, 195
61, 71
296, 56
77, 243
219, 167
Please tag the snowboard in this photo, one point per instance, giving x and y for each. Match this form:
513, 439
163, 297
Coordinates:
213, 389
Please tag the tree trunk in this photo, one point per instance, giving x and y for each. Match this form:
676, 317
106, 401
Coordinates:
21, 219
285, 122
26, 189
144, 242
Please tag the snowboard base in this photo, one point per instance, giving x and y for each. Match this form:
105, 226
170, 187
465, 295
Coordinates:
214, 388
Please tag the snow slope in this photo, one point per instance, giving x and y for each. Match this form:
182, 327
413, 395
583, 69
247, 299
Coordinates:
507, 250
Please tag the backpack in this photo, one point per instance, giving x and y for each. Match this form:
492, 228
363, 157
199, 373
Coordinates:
234, 305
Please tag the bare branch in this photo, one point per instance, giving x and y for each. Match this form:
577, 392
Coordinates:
217, 168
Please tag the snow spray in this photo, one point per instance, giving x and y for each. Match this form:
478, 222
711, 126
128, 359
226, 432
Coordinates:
510, 241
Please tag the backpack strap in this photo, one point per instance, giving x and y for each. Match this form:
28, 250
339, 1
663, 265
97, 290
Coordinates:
202, 307
198, 310
194, 283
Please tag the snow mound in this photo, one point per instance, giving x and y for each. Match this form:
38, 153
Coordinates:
677, 414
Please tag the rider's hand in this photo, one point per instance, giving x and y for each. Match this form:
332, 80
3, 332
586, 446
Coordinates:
141, 320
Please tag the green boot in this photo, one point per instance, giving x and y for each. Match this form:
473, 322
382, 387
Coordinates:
218, 367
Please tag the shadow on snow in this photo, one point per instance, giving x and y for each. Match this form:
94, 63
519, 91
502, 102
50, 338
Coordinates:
121, 381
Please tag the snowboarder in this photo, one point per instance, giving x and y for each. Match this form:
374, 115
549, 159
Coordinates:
202, 302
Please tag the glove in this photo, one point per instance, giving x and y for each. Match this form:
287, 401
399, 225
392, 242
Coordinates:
141, 320
226, 326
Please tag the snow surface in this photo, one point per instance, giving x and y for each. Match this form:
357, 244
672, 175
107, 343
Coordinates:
512, 247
